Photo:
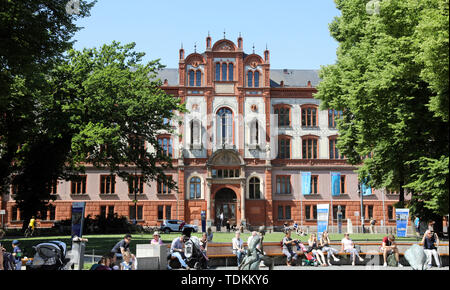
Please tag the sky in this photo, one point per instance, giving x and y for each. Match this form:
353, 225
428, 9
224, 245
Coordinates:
295, 31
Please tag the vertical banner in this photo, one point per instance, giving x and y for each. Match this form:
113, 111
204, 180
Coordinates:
322, 219
402, 216
306, 183
366, 189
77, 218
335, 183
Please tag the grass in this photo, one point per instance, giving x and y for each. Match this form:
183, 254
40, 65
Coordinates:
102, 244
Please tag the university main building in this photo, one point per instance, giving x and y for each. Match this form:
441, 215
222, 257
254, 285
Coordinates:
254, 146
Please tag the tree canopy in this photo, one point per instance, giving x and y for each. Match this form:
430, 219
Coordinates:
389, 82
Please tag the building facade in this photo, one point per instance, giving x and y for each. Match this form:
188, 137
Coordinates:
254, 145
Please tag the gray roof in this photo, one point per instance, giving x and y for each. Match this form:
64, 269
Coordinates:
291, 78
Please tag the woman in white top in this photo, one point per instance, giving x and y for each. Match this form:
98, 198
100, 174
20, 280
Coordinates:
314, 244
238, 247
349, 247
325, 244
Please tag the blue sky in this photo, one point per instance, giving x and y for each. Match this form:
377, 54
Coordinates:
295, 31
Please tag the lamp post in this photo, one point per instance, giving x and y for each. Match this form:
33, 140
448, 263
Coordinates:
362, 207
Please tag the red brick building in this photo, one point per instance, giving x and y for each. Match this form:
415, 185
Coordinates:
250, 137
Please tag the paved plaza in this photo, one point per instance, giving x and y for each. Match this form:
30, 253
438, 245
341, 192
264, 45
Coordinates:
337, 268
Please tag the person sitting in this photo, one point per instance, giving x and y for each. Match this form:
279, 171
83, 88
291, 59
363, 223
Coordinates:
430, 243
105, 263
209, 234
238, 247
389, 247
348, 247
177, 250
287, 243
17, 254
316, 251
122, 246
325, 244
156, 239
128, 263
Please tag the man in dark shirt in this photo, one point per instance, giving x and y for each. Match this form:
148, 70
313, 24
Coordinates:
122, 246
288, 242
430, 242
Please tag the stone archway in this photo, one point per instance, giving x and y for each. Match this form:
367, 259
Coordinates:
226, 202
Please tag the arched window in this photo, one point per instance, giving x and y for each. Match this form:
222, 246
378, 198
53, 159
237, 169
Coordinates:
195, 188
250, 79
217, 71
334, 151
256, 79
199, 78
309, 116
230, 71
224, 71
284, 115
191, 78
224, 126
254, 188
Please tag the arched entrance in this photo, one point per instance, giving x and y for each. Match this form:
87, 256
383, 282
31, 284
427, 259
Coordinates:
225, 201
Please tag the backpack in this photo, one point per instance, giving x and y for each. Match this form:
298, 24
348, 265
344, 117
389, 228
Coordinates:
391, 261
9, 263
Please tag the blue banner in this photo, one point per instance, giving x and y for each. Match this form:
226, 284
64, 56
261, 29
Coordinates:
402, 217
335, 184
77, 218
322, 219
366, 189
306, 183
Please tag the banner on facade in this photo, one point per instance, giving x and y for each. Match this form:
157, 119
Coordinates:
322, 219
77, 218
335, 183
402, 216
306, 183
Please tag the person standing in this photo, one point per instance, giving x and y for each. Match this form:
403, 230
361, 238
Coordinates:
430, 243
325, 244
417, 226
238, 247
2, 233
17, 254
348, 247
372, 225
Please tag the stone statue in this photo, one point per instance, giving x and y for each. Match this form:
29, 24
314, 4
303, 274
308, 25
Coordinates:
255, 253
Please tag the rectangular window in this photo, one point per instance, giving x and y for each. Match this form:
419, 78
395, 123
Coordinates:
166, 145
309, 117
53, 187
314, 184
280, 213
14, 213
168, 212
333, 115
103, 211
78, 185
163, 187
343, 187
283, 117
369, 212
309, 148
160, 212
107, 184
390, 210
111, 211
287, 211
283, 184
132, 212
284, 148
52, 213
335, 212
217, 71
136, 184
308, 212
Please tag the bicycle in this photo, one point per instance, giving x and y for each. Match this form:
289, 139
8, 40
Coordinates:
29, 232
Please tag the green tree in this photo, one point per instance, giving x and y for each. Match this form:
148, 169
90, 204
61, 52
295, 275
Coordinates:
34, 36
99, 107
381, 83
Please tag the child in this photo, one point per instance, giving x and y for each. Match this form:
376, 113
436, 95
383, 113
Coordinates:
17, 254
127, 263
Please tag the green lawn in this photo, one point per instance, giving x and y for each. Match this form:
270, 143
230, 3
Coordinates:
101, 244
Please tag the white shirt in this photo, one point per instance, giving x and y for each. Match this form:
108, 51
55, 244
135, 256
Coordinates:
348, 244
237, 244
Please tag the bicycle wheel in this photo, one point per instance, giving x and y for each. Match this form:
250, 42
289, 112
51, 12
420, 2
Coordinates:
27, 233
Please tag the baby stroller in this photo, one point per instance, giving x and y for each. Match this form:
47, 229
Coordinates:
49, 256
194, 256
309, 260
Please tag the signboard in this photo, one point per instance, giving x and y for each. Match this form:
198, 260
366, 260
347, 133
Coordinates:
77, 218
2, 211
402, 216
322, 218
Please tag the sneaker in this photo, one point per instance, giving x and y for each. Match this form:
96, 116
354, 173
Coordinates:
336, 260
361, 259
329, 262
400, 265
353, 263
385, 265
